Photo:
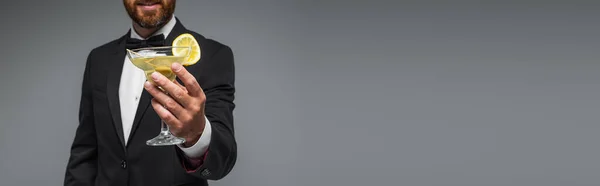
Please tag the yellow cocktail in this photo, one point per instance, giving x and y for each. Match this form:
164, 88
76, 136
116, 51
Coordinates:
161, 64
160, 59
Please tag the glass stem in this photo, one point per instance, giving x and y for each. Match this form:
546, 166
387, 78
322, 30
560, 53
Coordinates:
164, 128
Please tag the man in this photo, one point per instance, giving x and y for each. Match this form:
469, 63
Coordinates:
115, 118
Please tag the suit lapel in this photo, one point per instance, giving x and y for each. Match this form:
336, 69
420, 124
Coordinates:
144, 103
115, 62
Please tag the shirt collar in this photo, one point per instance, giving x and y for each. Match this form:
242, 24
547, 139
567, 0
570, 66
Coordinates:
165, 30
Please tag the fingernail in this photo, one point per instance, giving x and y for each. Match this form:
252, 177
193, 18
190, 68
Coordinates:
147, 84
155, 76
176, 67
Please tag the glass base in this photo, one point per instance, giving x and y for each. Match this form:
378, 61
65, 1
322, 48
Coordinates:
165, 139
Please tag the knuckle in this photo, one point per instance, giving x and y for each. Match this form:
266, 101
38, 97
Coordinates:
196, 108
178, 94
152, 90
190, 81
193, 107
186, 118
168, 118
170, 104
190, 78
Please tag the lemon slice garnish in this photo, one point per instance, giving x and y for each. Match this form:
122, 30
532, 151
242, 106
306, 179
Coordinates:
185, 40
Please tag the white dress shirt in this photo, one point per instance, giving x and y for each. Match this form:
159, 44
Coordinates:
130, 91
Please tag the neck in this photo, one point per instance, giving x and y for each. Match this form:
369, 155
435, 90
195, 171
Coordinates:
144, 32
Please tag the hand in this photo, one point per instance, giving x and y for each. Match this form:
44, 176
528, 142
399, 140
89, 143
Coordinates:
183, 107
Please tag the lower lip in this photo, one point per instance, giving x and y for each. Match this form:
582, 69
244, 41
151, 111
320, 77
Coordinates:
149, 7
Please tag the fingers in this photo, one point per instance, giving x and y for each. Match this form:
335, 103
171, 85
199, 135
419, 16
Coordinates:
165, 115
165, 100
181, 86
188, 80
171, 88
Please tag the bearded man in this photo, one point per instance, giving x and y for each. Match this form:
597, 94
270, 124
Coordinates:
115, 118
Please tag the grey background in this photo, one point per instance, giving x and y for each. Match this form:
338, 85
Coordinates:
417, 93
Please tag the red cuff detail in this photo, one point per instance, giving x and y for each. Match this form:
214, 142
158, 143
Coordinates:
193, 164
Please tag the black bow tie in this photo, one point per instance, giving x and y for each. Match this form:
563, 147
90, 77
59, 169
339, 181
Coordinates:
154, 41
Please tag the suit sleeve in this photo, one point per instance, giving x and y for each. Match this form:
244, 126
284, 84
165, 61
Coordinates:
219, 89
82, 165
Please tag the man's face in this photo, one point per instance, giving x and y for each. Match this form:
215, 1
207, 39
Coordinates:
150, 13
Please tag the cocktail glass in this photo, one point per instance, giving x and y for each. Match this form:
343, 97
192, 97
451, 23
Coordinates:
159, 59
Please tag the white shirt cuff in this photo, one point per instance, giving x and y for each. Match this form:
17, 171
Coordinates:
197, 150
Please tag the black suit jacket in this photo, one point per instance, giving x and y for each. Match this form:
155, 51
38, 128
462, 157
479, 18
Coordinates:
98, 155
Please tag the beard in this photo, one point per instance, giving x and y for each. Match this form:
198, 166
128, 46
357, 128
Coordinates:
150, 18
